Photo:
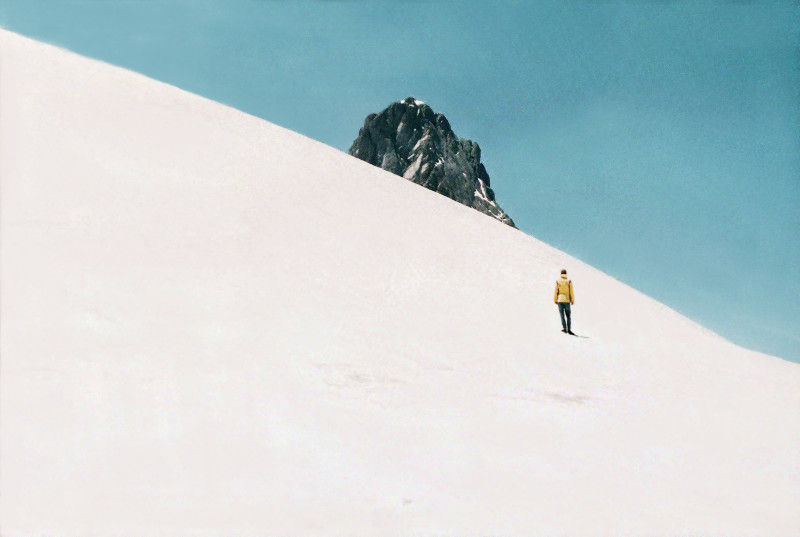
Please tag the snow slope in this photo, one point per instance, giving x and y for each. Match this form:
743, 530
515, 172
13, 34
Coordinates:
211, 325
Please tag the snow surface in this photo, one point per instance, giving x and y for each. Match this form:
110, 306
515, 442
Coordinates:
212, 325
420, 142
413, 167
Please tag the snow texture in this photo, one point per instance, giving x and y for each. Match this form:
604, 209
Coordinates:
215, 326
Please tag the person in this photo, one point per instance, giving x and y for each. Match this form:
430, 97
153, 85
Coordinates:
564, 297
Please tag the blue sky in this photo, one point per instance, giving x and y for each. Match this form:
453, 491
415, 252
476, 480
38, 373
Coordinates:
657, 141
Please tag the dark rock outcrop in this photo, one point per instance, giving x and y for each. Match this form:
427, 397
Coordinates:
409, 139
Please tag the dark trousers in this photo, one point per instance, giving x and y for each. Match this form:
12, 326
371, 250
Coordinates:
564, 311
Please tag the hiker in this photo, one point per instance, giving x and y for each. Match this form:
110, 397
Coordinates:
564, 297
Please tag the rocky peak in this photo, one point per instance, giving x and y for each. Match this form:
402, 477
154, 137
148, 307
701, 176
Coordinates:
409, 139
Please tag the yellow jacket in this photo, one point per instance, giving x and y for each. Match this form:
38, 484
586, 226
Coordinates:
564, 292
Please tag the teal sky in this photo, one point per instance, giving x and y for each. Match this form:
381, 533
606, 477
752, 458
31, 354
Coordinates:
658, 141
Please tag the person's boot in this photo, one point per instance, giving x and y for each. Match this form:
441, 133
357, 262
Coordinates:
564, 330
570, 332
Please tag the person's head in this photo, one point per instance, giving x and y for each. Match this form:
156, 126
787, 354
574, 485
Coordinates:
563, 272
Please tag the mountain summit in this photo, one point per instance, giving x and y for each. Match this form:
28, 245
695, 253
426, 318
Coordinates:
409, 139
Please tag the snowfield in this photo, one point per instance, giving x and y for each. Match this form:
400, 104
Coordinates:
214, 326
